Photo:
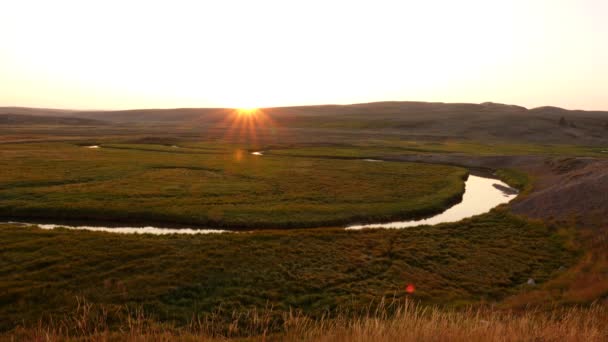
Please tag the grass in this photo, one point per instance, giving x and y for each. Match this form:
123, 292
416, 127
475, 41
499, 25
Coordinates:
379, 148
214, 185
172, 278
516, 179
296, 284
398, 321
585, 282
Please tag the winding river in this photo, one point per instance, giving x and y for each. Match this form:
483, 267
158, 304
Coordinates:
480, 196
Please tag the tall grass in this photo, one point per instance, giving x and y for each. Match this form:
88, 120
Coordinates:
395, 321
414, 323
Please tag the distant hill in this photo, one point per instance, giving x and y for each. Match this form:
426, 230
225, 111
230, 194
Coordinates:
409, 120
20, 119
158, 115
35, 111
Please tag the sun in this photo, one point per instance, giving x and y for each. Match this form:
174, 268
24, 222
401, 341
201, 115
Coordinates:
247, 111
247, 124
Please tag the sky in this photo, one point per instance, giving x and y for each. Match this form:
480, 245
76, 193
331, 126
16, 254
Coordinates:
164, 54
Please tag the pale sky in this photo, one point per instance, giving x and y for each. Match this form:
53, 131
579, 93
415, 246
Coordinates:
157, 54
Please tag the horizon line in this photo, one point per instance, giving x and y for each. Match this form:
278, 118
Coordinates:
294, 106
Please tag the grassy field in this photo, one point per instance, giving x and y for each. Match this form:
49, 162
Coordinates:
378, 148
173, 278
63, 283
398, 320
216, 185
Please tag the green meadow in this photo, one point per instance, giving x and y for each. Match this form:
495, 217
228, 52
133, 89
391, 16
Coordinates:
377, 148
175, 280
214, 185
44, 273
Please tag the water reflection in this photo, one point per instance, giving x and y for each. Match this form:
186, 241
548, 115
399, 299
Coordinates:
480, 196
128, 230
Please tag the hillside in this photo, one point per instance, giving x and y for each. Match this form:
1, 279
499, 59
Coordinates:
21, 119
407, 120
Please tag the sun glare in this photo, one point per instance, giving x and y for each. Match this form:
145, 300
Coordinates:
249, 111
247, 124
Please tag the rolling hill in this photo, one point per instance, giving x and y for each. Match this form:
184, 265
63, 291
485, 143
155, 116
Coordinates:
408, 120
22, 119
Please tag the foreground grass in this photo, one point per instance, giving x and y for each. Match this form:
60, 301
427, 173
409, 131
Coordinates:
214, 185
173, 278
398, 321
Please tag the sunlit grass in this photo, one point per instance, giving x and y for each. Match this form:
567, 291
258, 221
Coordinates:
216, 185
397, 320
317, 271
389, 148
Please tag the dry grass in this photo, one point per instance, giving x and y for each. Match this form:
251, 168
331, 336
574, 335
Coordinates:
413, 323
397, 321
